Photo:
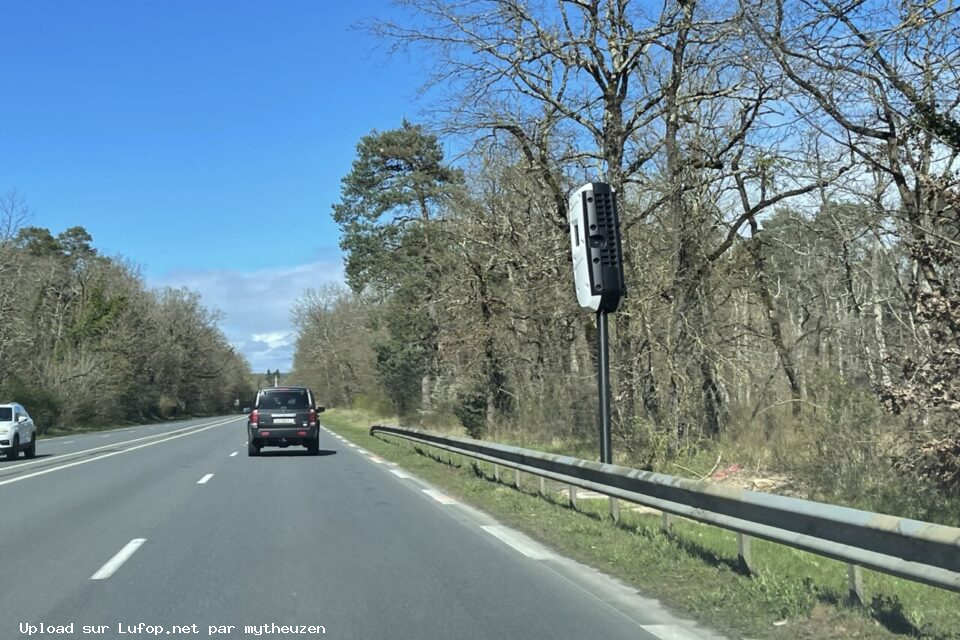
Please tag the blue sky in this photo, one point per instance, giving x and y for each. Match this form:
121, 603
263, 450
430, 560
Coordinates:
203, 140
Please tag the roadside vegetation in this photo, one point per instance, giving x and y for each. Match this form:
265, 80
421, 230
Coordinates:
84, 343
693, 569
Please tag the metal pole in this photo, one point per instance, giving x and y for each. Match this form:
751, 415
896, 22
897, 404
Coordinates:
603, 384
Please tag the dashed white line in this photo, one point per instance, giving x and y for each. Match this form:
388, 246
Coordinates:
400, 474
205, 479
234, 453
68, 442
518, 542
114, 563
439, 497
378, 460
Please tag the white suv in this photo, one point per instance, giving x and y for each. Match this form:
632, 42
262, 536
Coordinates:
16, 431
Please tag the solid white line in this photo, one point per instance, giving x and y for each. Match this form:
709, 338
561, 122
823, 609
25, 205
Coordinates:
108, 455
518, 542
106, 446
234, 453
114, 563
439, 497
668, 631
399, 473
205, 479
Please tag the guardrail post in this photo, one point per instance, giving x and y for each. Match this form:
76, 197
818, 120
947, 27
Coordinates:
496, 472
516, 478
615, 509
573, 497
745, 553
543, 486
666, 522
855, 581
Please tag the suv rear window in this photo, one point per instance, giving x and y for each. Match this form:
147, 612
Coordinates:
292, 400
6, 414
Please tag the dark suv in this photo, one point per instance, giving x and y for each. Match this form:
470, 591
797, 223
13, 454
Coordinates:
283, 416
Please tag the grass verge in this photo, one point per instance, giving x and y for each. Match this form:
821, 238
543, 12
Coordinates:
694, 569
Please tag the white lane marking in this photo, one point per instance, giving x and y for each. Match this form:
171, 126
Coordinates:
234, 453
205, 479
363, 451
108, 455
106, 435
106, 446
439, 497
143, 426
399, 473
518, 542
68, 442
378, 460
114, 563
351, 445
668, 631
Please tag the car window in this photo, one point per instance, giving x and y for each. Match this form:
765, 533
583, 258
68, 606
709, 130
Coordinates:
296, 400
6, 414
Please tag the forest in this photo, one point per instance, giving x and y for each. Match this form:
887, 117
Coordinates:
786, 175
84, 342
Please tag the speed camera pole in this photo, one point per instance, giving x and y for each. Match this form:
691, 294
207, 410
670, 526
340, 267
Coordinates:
598, 278
603, 385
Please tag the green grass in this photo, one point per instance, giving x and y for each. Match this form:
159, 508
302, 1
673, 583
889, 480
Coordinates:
693, 569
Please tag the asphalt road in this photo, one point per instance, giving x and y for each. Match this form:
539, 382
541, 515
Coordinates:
151, 528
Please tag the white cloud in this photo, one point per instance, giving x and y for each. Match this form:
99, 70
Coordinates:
275, 339
256, 305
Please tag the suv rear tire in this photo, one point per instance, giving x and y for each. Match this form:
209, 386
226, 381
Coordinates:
31, 449
313, 446
252, 449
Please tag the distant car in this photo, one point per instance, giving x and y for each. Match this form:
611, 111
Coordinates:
17, 432
283, 417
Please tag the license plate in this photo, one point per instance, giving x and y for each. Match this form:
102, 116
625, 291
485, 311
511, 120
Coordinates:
285, 421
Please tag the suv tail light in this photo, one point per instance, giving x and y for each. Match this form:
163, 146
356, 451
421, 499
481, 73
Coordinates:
313, 416
254, 418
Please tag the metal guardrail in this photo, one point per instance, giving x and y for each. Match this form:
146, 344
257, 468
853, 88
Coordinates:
915, 550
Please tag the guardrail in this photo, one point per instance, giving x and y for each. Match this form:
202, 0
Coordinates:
915, 550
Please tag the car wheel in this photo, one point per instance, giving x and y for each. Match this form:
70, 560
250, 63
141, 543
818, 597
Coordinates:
313, 446
31, 449
14, 449
252, 449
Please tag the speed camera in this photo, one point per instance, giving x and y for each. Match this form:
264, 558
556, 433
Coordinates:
595, 244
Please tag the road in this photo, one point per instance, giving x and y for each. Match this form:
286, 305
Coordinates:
142, 529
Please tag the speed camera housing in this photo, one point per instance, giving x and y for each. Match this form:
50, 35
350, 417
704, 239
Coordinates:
595, 245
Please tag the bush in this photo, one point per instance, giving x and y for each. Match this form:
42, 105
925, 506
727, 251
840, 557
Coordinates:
43, 406
471, 410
